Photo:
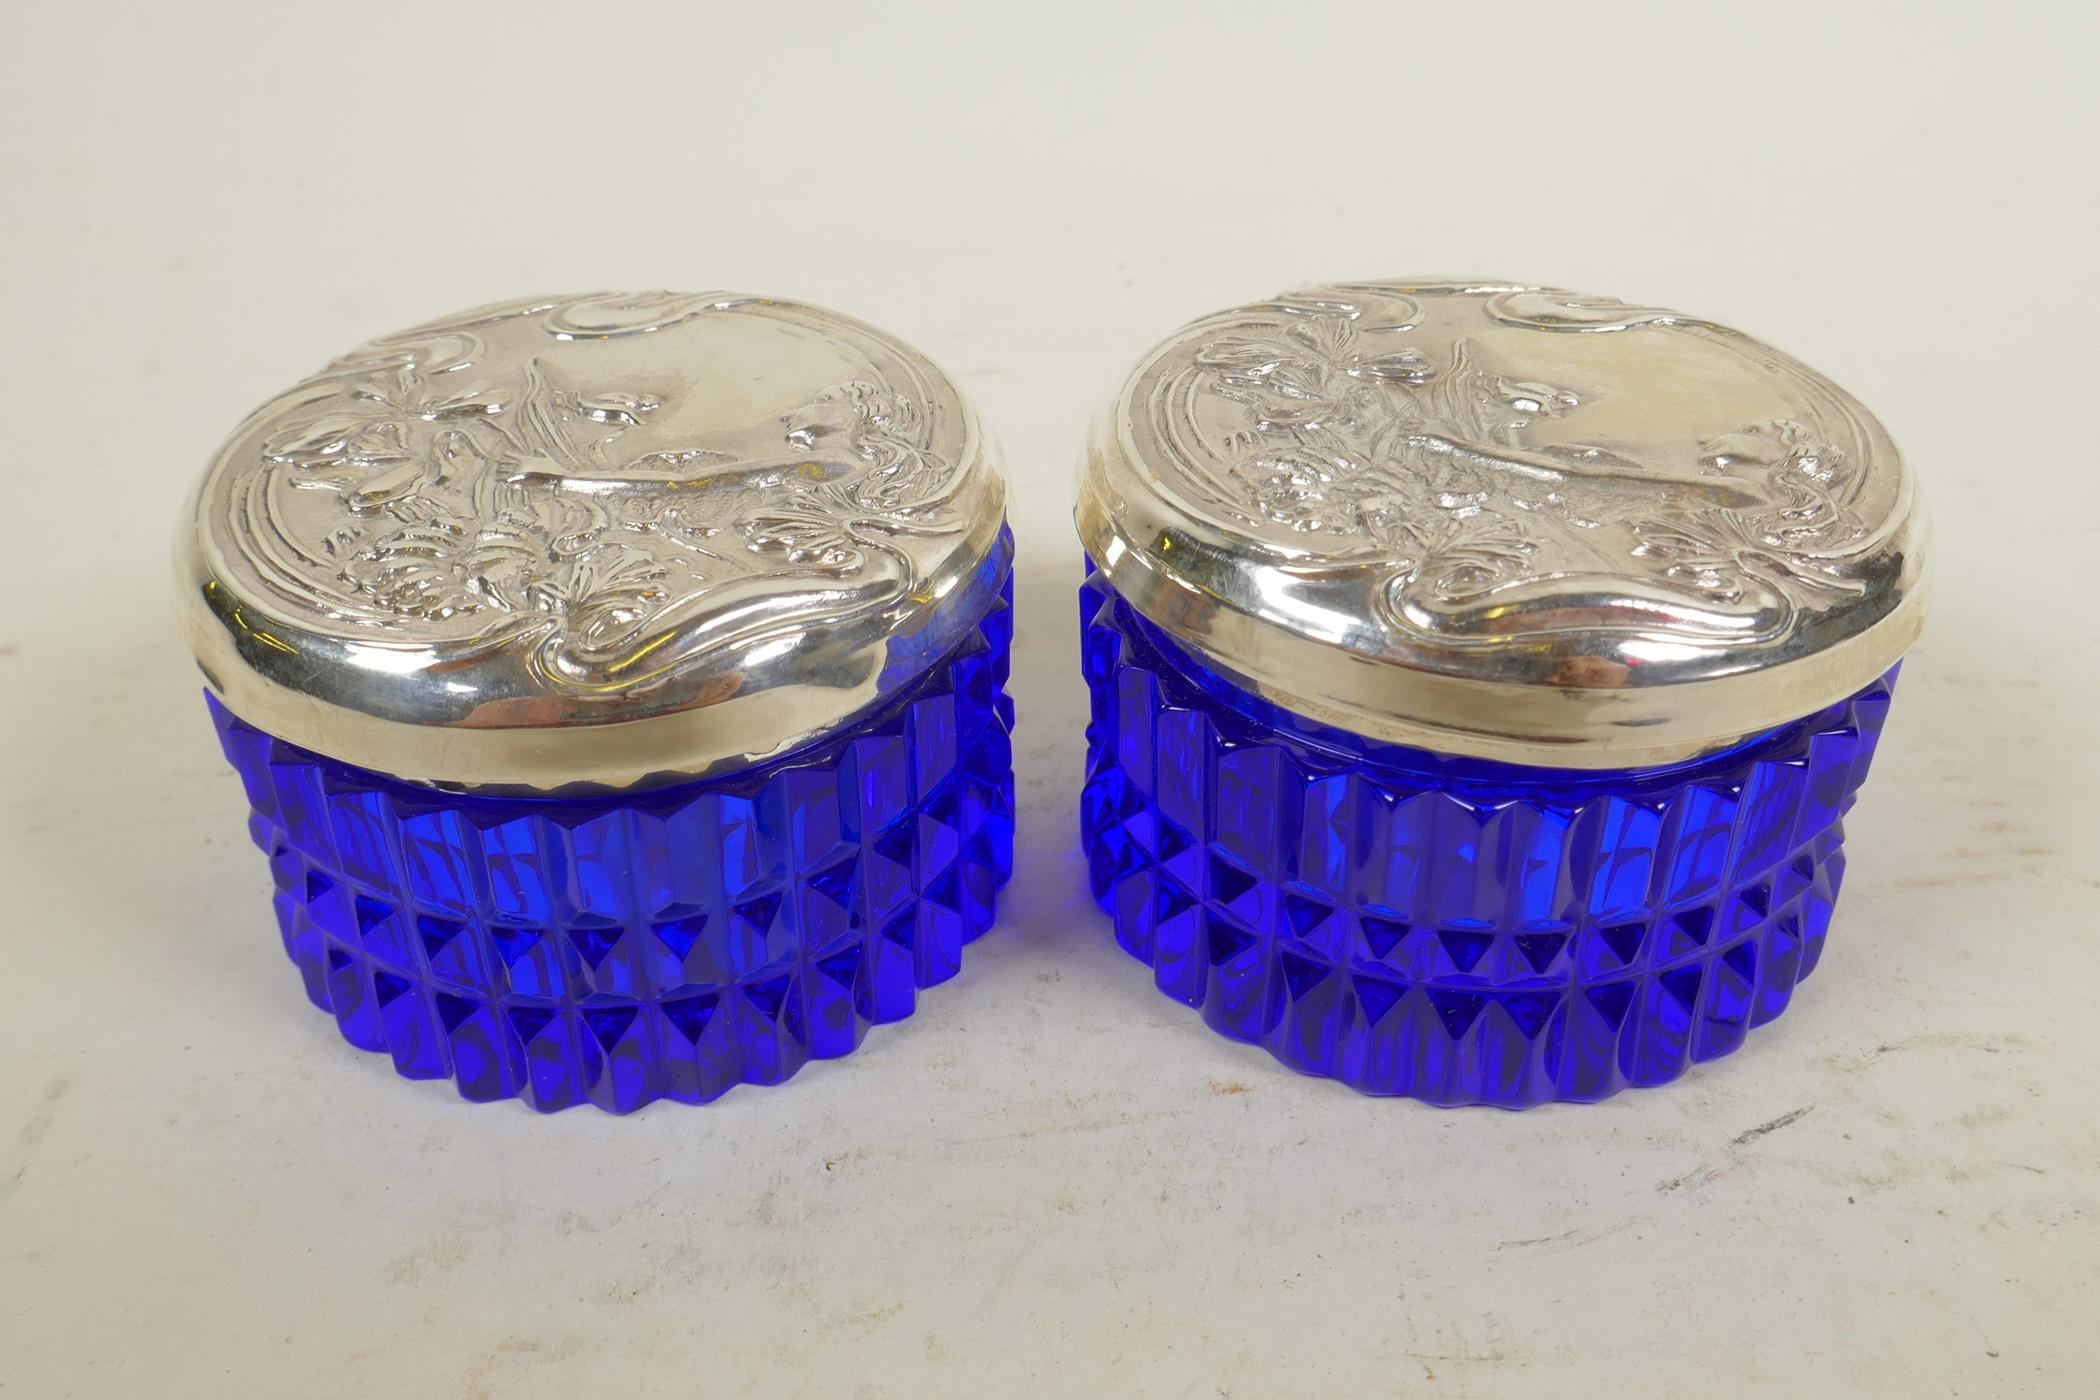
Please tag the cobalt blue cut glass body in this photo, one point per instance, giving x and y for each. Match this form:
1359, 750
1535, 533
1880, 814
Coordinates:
1452, 929
666, 943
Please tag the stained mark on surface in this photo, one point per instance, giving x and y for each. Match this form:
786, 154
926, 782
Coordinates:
1571, 1239
870, 1320
1953, 1040
1540, 1239
432, 1259
1732, 1158
32, 1132
495, 1372
1772, 1126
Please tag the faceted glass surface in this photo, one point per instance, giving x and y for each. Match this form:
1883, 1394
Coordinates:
668, 943
1452, 929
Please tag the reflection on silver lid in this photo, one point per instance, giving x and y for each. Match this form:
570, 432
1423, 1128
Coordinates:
590, 541
1507, 521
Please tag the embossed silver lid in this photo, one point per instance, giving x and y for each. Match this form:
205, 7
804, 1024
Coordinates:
591, 541
1507, 521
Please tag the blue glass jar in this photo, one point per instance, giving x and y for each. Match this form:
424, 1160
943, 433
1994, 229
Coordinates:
1462, 932
1473, 714
619, 687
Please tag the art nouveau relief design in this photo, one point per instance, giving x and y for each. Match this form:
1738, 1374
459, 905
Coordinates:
556, 478
1522, 463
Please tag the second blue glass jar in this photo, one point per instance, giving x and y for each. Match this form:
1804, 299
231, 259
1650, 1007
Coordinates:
1480, 674
618, 685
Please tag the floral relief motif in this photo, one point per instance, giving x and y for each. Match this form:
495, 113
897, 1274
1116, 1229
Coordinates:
1786, 543
1351, 433
376, 443
505, 503
831, 523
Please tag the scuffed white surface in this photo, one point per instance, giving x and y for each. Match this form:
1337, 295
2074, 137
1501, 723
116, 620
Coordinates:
1052, 1180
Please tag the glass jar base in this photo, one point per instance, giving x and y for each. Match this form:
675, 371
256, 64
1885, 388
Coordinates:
669, 943
1451, 930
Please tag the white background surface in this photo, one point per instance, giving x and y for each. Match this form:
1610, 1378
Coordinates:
1051, 1181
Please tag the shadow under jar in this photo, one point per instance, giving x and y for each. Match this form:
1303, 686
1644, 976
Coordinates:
618, 683
1480, 675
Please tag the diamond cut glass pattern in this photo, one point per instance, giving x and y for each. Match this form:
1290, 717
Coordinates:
667, 943
1453, 929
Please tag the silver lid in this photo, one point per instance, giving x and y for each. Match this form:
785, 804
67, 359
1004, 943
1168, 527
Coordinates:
1507, 521
591, 541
